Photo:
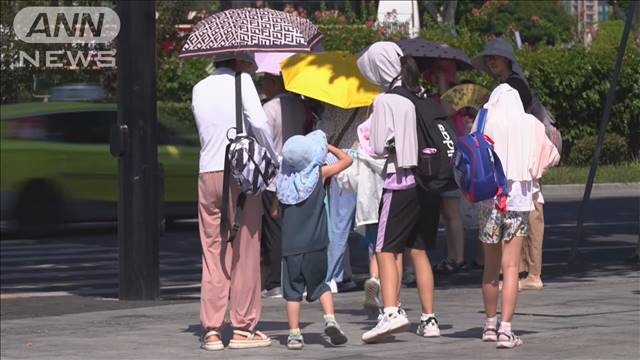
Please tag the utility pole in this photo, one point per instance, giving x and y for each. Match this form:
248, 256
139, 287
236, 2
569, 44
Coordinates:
134, 141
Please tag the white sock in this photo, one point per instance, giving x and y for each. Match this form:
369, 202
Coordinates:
391, 310
425, 317
505, 327
491, 321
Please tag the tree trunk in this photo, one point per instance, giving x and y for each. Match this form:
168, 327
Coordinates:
635, 25
449, 15
450, 12
432, 9
618, 12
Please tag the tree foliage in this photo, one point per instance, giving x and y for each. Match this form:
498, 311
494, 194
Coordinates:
539, 22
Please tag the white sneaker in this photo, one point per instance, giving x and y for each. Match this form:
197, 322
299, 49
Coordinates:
371, 291
387, 324
428, 328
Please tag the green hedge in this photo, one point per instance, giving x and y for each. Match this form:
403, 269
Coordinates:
614, 150
177, 113
573, 84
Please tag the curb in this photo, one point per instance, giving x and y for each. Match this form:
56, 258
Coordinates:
604, 190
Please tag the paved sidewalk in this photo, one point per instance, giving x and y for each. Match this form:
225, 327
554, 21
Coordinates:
579, 315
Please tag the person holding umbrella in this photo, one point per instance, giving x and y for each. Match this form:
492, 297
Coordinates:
231, 270
213, 106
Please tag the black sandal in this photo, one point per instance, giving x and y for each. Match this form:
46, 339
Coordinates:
448, 266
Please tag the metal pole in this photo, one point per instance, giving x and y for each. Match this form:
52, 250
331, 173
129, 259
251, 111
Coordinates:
138, 199
603, 129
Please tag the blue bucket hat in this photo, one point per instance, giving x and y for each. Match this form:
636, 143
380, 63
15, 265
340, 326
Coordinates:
299, 173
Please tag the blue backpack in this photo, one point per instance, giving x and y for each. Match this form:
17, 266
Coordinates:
477, 168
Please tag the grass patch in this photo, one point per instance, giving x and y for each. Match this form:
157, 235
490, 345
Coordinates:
622, 173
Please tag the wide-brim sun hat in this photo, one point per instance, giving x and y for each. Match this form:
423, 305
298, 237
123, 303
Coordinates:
499, 47
302, 157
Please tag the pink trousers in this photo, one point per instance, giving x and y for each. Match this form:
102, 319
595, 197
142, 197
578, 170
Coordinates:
240, 291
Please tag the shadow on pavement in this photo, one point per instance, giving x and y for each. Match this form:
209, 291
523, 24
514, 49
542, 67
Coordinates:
476, 333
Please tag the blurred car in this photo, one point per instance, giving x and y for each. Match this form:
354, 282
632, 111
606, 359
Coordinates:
57, 167
78, 92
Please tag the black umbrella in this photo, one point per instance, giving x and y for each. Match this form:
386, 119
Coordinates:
424, 50
251, 30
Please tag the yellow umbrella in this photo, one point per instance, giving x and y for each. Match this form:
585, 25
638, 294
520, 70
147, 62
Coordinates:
332, 77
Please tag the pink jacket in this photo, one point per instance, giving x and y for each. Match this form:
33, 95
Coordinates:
547, 155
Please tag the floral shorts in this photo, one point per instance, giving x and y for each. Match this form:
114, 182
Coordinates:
496, 226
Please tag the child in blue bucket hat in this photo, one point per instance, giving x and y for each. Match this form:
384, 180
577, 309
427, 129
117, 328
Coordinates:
301, 193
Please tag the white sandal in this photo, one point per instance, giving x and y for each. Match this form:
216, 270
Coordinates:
211, 345
252, 340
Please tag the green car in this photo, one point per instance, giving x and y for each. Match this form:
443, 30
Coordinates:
56, 166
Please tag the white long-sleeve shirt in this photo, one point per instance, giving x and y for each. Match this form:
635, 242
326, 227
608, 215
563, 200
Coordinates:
214, 109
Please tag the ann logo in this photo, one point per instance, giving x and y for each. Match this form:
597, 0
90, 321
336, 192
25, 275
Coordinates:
66, 24
41, 25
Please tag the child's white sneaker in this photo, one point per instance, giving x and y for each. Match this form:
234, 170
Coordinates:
429, 327
334, 332
295, 341
388, 323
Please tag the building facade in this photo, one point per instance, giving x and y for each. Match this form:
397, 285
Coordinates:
589, 13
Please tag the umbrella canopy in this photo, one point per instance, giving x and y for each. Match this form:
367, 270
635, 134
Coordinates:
269, 62
422, 49
251, 30
332, 77
466, 95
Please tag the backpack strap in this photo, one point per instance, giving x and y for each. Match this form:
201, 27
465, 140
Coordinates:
482, 119
501, 179
239, 128
224, 212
